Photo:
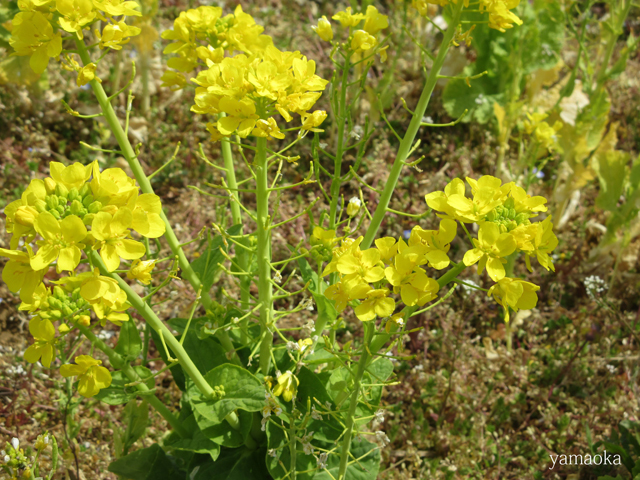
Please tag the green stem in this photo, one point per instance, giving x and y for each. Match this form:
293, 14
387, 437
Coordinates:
152, 319
146, 98
236, 218
412, 130
337, 167
353, 403
117, 362
292, 447
145, 185
265, 288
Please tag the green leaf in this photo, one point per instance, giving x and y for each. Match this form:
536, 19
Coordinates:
146, 464
117, 393
611, 169
136, 417
208, 263
234, 464
327, 313
242, 391
368, 455
129, 342
312, 388
198, 444
222, 433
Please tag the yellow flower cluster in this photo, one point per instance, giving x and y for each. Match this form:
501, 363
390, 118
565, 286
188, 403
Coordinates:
372, 275
503, 214
540, 130
499, 11
33, 28
362, 41
79, 208
247, 90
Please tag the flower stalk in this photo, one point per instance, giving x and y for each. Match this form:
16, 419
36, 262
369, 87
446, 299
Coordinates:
410, 135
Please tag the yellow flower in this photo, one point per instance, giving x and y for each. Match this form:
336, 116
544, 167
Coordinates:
73, 176
146, 210
395, 322
439, 200
62, 241
377, 303
353, 207
18, 274
348, 19
115, 8
267, 128
361, 265
287, 386
310, 121
362, 41
91, 376
343, 292
500, 18
491, 247
112, 311
95, 288
33, 36
387, 247
488, 193
436, 243
114, 36
141, 270
75, 14
544, 243
44, 346
326, 238
514, 293
241, 116
111, 232
323, 29
112, 186
86, 74
374, 21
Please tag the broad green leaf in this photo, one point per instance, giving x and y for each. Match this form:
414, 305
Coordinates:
222, 433
312, 388
129, 342
136, 418
146, 464
198, 444
366, 468
234, 464
611, 168
242, 391
117, 393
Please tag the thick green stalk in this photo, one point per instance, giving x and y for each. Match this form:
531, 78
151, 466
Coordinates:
265, 288
236, 218
152, 319
353, 403
337, 164
293, 444
412, 130
145, 185
117, 362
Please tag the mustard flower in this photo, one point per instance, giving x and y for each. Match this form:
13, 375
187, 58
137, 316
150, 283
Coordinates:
115, 35
363, 265
91, 376
544, 243
353, 207
146, 210
348, 19
374, 21
18, 274
439, 200
436, 243
377, 303
110, 233
44, 347
75, 14
514, 293
72, 176
323, 29
267, 128
362, 41
287, 386
141, 270
241, 116
112, 186
311, 121
62, 242
115, 8
32, 35
326, 238
491, 247
388, 247
86, 74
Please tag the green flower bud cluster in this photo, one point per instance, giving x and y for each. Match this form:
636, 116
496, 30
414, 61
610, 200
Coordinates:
506, 217
62, 202
218, 392
60, 305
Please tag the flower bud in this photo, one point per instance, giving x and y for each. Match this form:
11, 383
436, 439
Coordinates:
84, 190
55, 303
88, 200
84, 320
66, 311
64, 329
52, 202
59, 293
354, 206
57, 314
323, 29
55, 213
40, 205
73, 194
62, 191
95, 207
49, 185
88, 219
77, 208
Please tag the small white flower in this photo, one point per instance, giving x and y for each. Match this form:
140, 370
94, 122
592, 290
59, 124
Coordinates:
273, 453
427, 119
306, 444
15, 443
308, 328
314, 413
480, 99
322, 460
381, 437
277, 277
292, 346
380, 416
595, 286
6, 458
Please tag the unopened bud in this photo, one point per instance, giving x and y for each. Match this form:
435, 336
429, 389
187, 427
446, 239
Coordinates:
88, 200
76, 207
354, 206
26, 215
49, 185
73, 194
62, 191
64, 328
95, 207
84, 320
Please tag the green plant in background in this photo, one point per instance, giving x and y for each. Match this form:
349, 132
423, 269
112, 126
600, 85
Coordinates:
24, 464
259, 400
